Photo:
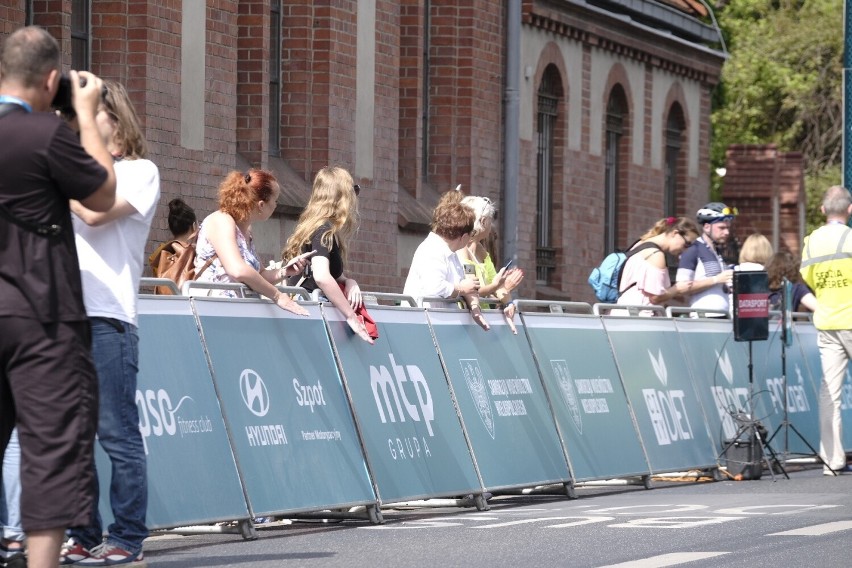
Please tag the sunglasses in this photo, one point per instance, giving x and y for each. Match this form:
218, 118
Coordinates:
730, 211
357, 189
687, 241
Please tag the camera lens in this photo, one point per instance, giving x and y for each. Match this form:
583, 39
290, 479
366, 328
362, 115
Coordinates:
62, 99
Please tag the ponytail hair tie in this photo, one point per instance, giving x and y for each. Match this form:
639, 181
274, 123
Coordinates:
671, 220
248, 178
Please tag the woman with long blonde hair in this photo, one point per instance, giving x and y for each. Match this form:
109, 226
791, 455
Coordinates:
328, 223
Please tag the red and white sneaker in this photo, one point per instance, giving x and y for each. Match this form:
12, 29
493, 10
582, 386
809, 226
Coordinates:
73, 552
108, 554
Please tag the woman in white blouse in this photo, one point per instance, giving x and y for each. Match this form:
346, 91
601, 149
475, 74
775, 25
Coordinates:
436, 270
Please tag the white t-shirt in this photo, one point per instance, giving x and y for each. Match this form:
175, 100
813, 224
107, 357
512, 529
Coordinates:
111, 255
435, 270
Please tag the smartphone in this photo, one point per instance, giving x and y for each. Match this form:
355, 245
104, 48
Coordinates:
508, 264
297, 258
469, 269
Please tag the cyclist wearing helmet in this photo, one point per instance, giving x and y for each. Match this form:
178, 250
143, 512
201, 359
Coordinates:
701, 265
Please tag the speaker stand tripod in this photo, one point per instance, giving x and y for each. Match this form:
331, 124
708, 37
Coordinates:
748, 425
785, 424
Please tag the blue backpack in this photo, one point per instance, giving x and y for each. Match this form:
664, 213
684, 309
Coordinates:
605, 279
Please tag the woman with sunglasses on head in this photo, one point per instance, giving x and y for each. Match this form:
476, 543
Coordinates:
325, 228
225, 248
492, 282
645, 278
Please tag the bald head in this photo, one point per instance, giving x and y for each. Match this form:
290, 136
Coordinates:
27, 56
836, 202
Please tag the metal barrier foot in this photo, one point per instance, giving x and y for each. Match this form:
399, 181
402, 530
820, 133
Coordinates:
647, 482
225, 527
570, 490
481, 502
374, 513
247, 530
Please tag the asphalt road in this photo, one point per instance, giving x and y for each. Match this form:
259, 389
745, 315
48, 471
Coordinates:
803, 521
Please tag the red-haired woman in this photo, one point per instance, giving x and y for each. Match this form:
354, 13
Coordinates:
225, 236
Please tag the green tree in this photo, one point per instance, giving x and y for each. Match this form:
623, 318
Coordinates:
782, 85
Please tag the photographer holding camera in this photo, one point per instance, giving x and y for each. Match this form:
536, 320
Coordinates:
48, 385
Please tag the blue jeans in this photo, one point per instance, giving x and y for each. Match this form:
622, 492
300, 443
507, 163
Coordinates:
10, 493
116, 355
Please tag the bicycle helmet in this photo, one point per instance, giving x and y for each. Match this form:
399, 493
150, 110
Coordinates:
715, 211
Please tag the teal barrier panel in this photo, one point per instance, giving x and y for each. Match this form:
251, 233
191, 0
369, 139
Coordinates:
660, 390
802, 402
719, 369
806, 334
501, 399
586, 394
410, 430
186, 445
290, 423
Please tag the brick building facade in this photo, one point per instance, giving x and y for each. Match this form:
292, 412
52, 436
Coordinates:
768, 188
614, 112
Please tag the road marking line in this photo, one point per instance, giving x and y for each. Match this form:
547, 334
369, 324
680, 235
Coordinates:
522, 522
672, 559
817, 530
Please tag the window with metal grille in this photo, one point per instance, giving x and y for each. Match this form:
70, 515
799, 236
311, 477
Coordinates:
81, 35
674, 136
275, 77
615, 112
548, 102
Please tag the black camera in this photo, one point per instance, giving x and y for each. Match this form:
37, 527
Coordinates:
63, 100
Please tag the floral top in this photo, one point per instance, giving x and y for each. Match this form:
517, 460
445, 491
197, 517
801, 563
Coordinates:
216, 272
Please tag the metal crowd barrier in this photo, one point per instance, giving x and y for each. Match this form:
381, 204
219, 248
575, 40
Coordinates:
247, 410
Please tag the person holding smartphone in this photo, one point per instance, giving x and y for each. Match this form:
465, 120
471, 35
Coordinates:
492, 282
326, 227
436, 270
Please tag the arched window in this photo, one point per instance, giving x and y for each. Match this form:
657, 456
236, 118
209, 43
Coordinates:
616, 119
548, 104
675, 125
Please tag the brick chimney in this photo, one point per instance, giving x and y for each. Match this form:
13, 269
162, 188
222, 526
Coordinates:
768, 188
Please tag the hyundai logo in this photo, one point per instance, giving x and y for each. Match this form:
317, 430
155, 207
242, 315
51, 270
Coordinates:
254, 392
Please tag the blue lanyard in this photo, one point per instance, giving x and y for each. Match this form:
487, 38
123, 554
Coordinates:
16, 101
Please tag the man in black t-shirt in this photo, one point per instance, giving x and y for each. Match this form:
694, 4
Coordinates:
48, 386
